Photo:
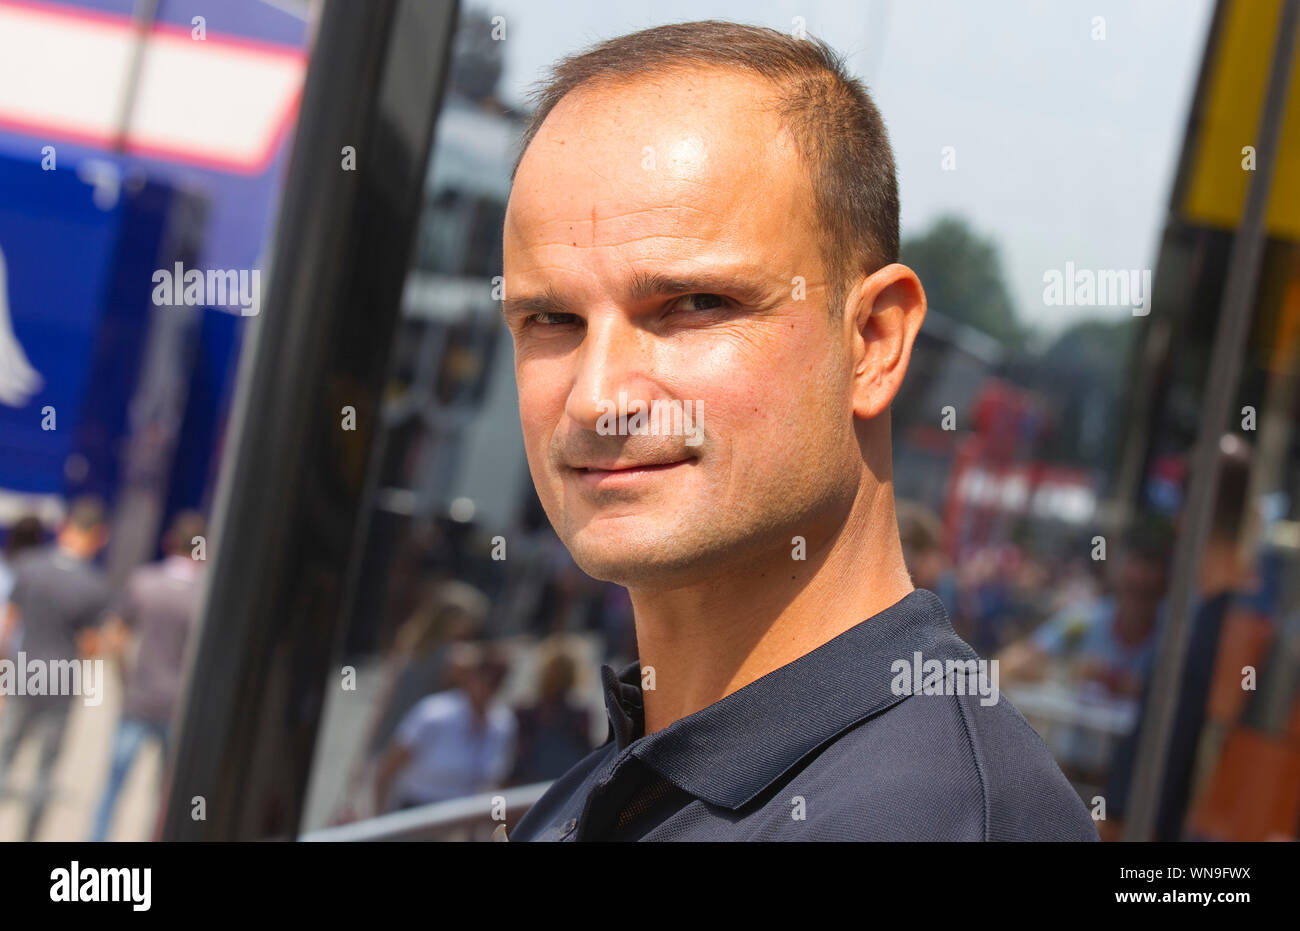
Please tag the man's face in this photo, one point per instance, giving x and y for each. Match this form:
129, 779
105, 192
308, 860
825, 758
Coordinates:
86, 541
669, 220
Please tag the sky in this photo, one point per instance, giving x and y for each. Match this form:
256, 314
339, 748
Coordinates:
1066, 144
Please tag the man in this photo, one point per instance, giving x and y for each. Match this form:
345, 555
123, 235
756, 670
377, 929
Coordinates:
27, 533
554, 733
1102, 647
59, 597
157, 610
707, 214
1107, 641
453, 743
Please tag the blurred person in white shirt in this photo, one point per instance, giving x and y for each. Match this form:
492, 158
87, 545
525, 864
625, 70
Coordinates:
453, 743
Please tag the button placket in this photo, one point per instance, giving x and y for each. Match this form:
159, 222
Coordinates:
597, 793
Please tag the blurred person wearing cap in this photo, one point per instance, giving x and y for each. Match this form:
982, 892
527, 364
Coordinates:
153, 619
706, 214
453, 743
59, 597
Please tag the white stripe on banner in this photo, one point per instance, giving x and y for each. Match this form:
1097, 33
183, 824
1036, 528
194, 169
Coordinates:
221, 101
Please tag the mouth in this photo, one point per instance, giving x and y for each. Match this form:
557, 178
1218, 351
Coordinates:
608, 476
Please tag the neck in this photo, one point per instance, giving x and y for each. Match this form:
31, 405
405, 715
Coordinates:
711, 638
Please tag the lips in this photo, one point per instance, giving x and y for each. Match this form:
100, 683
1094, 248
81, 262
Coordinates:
622, 474
625, 466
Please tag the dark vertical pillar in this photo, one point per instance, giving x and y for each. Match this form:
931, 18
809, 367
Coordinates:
293, 492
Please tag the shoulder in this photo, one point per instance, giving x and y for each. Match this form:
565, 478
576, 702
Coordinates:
140, 580
1026, 796
942, 768
149, 573
29, 561
437, 708
89, 578
502, 719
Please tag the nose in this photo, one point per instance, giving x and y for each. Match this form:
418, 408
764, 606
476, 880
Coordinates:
613, 358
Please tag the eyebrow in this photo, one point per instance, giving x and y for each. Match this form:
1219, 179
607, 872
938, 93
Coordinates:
548, 302
739, 283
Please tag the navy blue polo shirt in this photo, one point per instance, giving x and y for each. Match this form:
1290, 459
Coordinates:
838, 745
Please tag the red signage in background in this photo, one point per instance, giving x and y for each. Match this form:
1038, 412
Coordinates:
997, 479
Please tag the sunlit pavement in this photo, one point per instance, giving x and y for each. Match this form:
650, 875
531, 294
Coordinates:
79, 777
83, 765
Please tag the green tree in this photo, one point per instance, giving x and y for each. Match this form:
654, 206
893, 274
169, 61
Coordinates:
1098, 345
961, 272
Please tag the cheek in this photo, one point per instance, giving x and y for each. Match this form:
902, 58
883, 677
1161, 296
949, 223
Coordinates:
541, 402
773, 391
723, 380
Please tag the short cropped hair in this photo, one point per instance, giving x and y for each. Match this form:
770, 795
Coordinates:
26, 533
836, 127
87, 513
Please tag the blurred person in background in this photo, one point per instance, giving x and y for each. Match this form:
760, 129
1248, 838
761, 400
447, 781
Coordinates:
1225, 576
1107, 641
26, 533
1078, 580
155, 614
980, 595
454, 743
1251, 790
553, 732
618, 626
570, 599
448, 612
60, 598
921, 532
994, 595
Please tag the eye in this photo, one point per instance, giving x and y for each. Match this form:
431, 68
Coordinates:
550, 319
702, 302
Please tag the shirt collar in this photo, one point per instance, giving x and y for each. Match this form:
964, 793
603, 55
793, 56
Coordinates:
729, 752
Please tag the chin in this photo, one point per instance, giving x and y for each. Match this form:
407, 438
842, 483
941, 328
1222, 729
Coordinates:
639, 557
620, 562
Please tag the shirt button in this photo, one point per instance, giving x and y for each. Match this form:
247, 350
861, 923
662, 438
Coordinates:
569, 827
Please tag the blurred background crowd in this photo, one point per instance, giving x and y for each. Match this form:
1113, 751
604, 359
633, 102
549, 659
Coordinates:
1042, 453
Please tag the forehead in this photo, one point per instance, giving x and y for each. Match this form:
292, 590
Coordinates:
684, 165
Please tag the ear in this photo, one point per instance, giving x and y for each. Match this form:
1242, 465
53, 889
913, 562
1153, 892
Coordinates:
885, 312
